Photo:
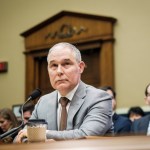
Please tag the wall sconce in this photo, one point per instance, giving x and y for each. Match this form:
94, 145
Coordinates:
3, 66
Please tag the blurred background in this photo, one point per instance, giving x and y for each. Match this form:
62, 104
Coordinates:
131, 47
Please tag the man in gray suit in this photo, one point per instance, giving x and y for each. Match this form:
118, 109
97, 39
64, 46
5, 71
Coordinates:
89, 109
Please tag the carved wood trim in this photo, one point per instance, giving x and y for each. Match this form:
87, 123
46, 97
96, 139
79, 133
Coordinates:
86, 31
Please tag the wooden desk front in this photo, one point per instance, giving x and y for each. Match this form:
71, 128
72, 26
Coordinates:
91, 143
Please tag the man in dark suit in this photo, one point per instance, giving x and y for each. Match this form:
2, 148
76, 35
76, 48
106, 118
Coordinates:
142, 125
89, 109
122, 125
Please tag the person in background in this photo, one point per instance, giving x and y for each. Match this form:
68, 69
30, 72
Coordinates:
27, 111
122, 125
8, 120
1, 131
86, 110
135, 113
142, 125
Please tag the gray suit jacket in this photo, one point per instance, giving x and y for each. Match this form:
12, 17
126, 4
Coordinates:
89, 114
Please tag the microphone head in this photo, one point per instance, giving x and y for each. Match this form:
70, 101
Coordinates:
36, 93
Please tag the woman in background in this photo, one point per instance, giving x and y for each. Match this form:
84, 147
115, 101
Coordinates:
8, 120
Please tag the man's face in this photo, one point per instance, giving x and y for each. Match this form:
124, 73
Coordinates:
113, 99
26, 115
147, 98
63, 69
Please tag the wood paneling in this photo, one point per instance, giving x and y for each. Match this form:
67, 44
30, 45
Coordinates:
92, 34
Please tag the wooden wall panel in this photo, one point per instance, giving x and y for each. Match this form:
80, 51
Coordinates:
92, 34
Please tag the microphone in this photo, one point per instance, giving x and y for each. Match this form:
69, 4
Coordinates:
36, 93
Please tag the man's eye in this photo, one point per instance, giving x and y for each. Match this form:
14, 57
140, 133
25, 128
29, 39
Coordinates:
66, 64
53, 66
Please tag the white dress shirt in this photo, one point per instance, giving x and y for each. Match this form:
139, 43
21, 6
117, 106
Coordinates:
148, 130
69, 96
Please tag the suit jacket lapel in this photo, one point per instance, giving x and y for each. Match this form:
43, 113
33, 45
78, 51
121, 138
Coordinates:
52, 113
76, 103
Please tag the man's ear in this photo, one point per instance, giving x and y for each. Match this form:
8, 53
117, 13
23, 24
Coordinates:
81, 66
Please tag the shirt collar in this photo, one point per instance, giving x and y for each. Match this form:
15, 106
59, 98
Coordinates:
70, 94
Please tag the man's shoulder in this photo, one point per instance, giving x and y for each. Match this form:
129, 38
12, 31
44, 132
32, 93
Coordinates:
140, 126
122, 119
91, 88
142, 119
49, 95
96, 94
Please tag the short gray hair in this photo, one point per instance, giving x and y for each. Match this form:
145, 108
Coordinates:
70, 46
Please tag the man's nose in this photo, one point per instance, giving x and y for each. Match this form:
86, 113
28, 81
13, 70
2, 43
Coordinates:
59, 69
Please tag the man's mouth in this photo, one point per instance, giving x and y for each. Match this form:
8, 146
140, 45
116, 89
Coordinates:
62, 80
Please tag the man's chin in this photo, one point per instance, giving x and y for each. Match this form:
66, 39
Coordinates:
62, 86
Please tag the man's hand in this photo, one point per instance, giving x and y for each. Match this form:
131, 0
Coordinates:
22, 134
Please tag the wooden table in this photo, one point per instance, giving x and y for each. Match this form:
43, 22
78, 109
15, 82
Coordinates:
90, 143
